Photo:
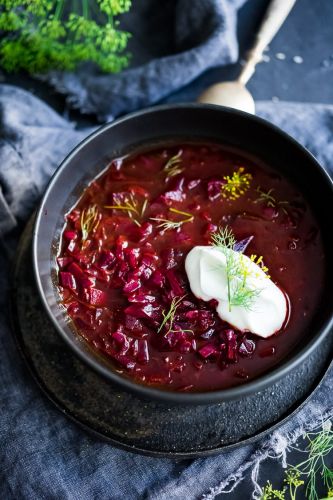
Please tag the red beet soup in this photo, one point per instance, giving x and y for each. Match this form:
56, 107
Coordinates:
121, 264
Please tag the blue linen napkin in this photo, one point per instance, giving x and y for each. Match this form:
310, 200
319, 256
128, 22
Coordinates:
42, 454
173, 42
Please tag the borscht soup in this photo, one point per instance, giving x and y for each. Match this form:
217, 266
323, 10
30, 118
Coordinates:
190, 267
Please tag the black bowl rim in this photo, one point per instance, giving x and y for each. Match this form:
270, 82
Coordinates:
237, 392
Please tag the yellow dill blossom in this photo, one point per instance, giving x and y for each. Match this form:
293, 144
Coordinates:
236, 185
260, 262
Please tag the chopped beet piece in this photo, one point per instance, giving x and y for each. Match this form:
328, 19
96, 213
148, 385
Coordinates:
192, 184
143, 352
247, 347
97, 297
214, 189
131, 286
141, 298
157, 279
63, 262
67, 280
106, 259
132, 255
70, 235
208, 350
174, 283
143, 311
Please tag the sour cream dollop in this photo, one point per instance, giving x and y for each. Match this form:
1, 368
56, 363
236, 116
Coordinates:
206, 268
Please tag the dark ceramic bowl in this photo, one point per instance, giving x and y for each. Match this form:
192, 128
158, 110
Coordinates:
160, 125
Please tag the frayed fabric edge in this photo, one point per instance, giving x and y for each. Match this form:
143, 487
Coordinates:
275, 447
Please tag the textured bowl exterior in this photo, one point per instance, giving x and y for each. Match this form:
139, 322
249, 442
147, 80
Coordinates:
160, 125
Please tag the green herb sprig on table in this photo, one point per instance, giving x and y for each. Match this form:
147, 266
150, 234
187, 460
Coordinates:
43, 35
309, 472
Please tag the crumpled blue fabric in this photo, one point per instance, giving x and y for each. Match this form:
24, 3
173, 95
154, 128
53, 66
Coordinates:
42, 454
176, 40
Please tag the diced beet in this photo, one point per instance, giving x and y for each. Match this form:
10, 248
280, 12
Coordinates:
76, 270
144, 231
71, 246
208, 334
185, 346
141, 298
193, 183
246, 348
207, 350
106, 258
122, 341
174, 283
214, 188
73, 308
70, 235
157, 279
175, 192
213, 303
143, 352
67, 280
133, 324
87, 282
64, 261
74, 215
143, 311
121, 244
192, 315
132, 255
131, 286
231, 344
97, 297
181, 236
123, 360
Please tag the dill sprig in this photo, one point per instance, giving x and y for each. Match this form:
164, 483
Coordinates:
320, 444
89, 221
172, 166
167, 224
40, 35
130, 205
169, 315
270, 200
236, 185
240, 294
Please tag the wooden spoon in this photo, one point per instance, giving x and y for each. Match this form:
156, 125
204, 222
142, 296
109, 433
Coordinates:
234, 94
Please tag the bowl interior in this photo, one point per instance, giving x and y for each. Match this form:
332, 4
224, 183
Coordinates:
159, 125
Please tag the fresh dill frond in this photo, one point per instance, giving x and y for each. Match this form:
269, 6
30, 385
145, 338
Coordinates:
269, 493
89, 221
173, 165
309, 471
236, 185
224, 237
270, 200
42, 35
168, 224
240, 294
169, 315
130, 205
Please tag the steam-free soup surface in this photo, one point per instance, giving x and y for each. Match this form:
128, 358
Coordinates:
121, 264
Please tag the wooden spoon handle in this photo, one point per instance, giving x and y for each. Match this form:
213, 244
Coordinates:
276, 14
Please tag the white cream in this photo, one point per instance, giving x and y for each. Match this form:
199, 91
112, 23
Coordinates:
206, 270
